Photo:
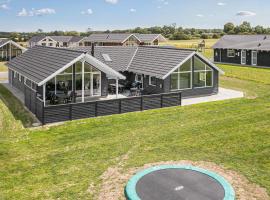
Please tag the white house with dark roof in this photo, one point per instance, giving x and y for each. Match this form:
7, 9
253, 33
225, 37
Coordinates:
246, 50
62, 84
56, 41
9, 49
123, 39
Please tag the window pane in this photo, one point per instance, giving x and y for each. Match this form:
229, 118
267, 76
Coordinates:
208, 68
87, 84
186, 66
96, 84
94, 69
78, 82
78, 67
64, 83
209, 78
199, 79
185, 80
153, 80
198, 64
68, 71
174, 81
50, 85
87, 67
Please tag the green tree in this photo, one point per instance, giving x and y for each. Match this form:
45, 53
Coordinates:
259, 29
229, 28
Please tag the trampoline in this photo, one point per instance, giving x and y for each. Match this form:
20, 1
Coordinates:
172, 182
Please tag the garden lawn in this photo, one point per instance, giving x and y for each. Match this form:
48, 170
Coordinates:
67, 161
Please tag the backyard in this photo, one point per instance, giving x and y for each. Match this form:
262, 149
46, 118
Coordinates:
67, 161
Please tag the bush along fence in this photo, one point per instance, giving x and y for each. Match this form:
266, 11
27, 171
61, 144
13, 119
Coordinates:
72, 111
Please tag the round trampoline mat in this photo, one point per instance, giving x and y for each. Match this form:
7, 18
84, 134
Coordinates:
178, 183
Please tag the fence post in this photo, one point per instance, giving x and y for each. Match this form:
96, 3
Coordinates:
180, 98
120, 106
161, 100
141, 103
43, 114
70, 111
96, 107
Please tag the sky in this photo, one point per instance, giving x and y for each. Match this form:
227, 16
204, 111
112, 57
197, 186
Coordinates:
79, 15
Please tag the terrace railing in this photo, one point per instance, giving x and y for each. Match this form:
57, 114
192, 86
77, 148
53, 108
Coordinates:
72, 111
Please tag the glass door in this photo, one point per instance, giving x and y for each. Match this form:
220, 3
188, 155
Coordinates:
243, 57
254, 57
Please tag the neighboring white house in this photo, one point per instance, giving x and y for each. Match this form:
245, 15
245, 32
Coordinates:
56, 41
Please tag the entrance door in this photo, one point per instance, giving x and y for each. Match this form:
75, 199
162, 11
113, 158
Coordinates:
254, 58
243, 57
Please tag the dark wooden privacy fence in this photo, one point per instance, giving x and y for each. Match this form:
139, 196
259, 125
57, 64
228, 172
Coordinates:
58, 113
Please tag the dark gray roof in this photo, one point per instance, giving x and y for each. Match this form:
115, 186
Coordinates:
108, 37
252, 42
150, 37
157, 61
76, 39
3, 41
39, 62
148, 60
121, 56
37, 38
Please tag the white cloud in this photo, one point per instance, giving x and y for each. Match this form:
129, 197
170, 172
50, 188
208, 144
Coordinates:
132, 10
221, 4
34, 12
166, 2
44, 11
4, 6
22, 13
159, 7
245, 14
112, 1
89, 11
200, 15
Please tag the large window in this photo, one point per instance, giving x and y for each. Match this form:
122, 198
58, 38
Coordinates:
203, 74
230, 53
182, 77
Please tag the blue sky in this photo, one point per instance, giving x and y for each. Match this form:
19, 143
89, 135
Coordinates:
30, 15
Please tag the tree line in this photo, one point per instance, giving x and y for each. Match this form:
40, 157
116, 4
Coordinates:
171, 32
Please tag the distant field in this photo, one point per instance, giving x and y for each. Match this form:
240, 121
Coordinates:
192, 44
3, 68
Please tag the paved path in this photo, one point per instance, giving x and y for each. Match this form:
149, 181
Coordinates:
223, 94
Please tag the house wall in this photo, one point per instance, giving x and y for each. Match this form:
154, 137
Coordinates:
9, 51
196, 91
164, 86
220, 55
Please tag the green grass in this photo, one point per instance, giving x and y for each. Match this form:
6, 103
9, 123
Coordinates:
247, 73
3, 67
62, 161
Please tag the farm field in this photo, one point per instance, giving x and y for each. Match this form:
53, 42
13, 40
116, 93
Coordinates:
67, 161
191, 44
